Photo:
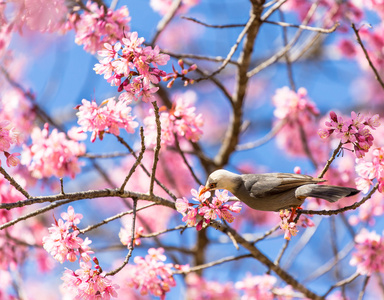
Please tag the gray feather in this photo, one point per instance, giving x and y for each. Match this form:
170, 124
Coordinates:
330, 193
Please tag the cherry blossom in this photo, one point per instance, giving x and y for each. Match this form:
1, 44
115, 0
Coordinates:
368, 257
108, 117
219, 207
287, 224
257, 287
97, 25
200, 289
181, 120
52, 154
298, 113
63, 242
125, 236
370, 169
151, 274
137, 63
355, 130
88, 284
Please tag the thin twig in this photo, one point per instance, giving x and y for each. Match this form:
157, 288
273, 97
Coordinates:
14, 183
377, 76
212, 26
362, 292
62, 186
171, 12
213, 263
115, 217
121, 140
264, 139
150, 235
137, 162
157, 148
266, 234
281, 253
130, 247
186, 161
329, 161
310, 28
342, 283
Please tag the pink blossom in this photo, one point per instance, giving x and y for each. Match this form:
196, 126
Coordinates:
45, 16
88, 284
63, 242
163, 6
95, 26
354, 130
368, 257
298, 115
108, 117
52, 154
370, 169
181, 120
257, 287
12, 160
200, 289
287, 225
219, 207
137, 63
151, 274
126, 237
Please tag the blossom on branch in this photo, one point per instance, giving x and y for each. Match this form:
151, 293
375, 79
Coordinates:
108, 117
52, 154
355, 130
98, 25
206, 210
368, 257
181, 120
88, 284
151, 274
136, 63
63, 242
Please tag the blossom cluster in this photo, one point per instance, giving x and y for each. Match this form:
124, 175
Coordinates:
125, 236
207, 210
368, 257
257, 287
289, 226
108, 117
136, 63
181, 120
152, 275
63, 242
298, 113
354, 130
163, 6
52, 154
8, 136
88, 284
98, 25
176, 74
368, 170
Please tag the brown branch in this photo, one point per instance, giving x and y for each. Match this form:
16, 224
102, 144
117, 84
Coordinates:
157, 148
14, 183
232, 135
377, 76
115, 217
137, 162
362, 292
166, 19
342, 283
329, 161
310, 28
212, 26
130, 247
212, 264
264, 139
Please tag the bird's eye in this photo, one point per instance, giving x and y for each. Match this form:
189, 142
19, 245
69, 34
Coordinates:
212, 185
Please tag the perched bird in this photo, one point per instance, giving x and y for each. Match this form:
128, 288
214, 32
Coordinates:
275, 191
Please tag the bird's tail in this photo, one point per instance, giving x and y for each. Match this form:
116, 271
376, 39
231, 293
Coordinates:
330, 193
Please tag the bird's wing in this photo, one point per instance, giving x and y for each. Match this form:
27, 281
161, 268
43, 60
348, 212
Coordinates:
261, 185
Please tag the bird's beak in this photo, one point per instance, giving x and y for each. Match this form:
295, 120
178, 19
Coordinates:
203, 190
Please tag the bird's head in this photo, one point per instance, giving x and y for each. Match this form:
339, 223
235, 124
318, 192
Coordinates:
221, 179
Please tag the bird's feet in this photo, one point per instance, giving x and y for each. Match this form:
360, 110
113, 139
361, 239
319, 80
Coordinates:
293, 213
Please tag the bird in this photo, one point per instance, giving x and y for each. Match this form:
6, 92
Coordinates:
274, 191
